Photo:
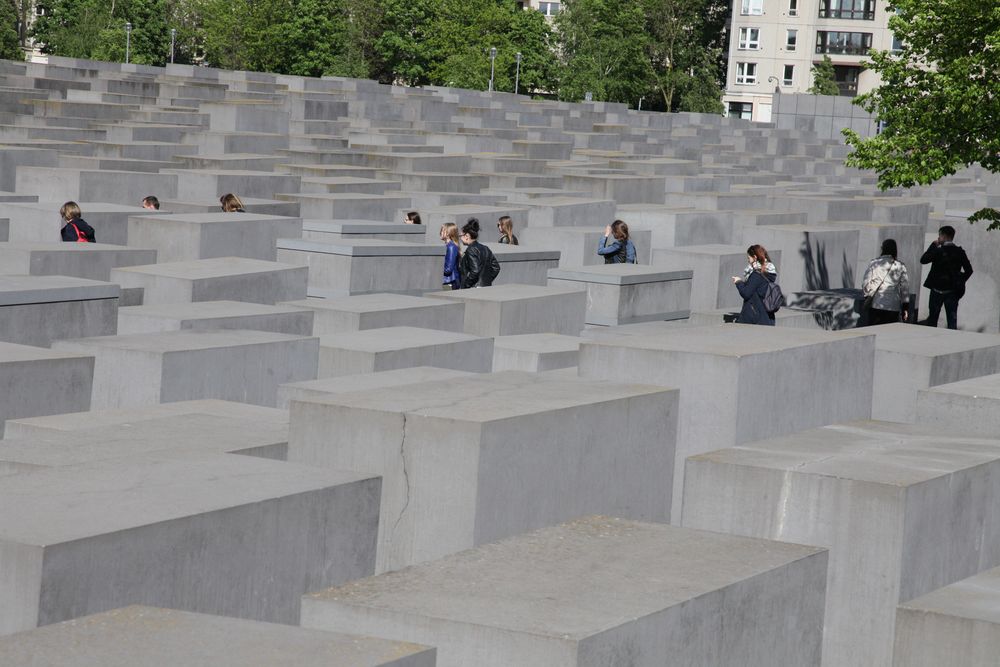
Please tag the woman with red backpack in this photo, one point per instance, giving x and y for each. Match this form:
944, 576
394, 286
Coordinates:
76, 229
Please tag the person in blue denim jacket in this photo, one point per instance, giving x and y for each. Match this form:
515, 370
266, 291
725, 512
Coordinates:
449, 234
620, 250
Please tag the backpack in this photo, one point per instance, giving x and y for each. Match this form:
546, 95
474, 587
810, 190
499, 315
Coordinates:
80, 237
773, 298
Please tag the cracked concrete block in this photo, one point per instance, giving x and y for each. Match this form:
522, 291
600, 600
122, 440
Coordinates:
469, 460
598, 591
154, 637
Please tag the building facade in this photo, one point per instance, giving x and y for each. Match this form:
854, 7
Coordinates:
775, 43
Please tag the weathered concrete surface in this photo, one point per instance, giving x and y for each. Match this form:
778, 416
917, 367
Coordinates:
36, 310
154, 318
300, 391
185, 236
535, 352
505, 310
156, 637
470, 460
627, 293
598, 591
377, 311
967, 406
170, 529
40, 382
93, 261
903, 509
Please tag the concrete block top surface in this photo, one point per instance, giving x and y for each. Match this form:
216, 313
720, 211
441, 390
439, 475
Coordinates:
51, 207
976, 598
367, 303
518, 253
618, 274
929, 341
154, 637
208, 309
886, 453
57, 505
191, 432
532, 583
211, 218
541, 342
502, 293
362, 227
16, 290
78, 421
486, 397
181, 341
201, 269
986, 386
14, 353
392, 338
63, 247
727, 340
363, 247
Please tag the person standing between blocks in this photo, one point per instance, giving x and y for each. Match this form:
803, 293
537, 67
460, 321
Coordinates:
506, 228
950, 270
754, 287
75, 229
619, 251
449, 235
479, 266
887, 284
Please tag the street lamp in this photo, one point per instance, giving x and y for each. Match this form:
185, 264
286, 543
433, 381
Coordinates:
173, 39
128, 40
517, 74
493, 58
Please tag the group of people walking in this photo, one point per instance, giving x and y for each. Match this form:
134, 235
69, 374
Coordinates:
885, 285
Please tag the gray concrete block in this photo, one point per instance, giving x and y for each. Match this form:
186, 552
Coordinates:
520, 265
968, 406
77, 421
813, 257
722, 367
534, 353
170, 529
504, 310
93, 185
598, 591
186, 236
712, 267
40, 382
36, 310
348, 230
577, 246
628, 293
365, 266
911, 358
217, 279
489, 460
146, 369
93, 261
164, 637
373, 350
956, 625
903, 509
202, 315
301, 391
40, 222
380, 310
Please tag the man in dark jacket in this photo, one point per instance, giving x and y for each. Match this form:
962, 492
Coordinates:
950, 270
479, 266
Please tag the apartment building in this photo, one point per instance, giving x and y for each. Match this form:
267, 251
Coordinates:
774, 44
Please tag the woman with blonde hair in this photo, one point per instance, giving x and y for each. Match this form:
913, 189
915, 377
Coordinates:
449, 234
619, 251
231, 203
506, 228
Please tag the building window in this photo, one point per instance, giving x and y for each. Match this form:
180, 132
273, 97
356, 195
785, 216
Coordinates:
742, 110
791, 37
846, 77
847, 9
845, 43
749, 38
897, 44
789, 73
793, 7
746, 73
752, 7
548, 8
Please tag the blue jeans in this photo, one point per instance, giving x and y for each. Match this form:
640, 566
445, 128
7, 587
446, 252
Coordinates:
950, 302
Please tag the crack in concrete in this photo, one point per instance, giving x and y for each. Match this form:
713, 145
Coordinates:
406, 476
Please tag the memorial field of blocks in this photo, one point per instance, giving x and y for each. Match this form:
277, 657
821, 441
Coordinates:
217, 427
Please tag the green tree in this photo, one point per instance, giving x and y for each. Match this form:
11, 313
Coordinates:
10, 43
684, 50
70, 28
824, 81
939, 97
604, 50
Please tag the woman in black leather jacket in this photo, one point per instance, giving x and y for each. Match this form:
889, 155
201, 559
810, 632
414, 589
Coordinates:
479, 266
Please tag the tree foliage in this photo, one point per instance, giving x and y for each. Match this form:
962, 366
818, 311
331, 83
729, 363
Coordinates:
10, 43
939, 99
824, 79
669, 52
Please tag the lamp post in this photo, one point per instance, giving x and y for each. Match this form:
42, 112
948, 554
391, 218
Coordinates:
640, 103
517, 72
173, 40
128, 41
493, 58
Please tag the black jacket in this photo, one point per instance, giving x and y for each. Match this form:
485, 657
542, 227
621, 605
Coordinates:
950, 268
752, 290
479, 266
69, 234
